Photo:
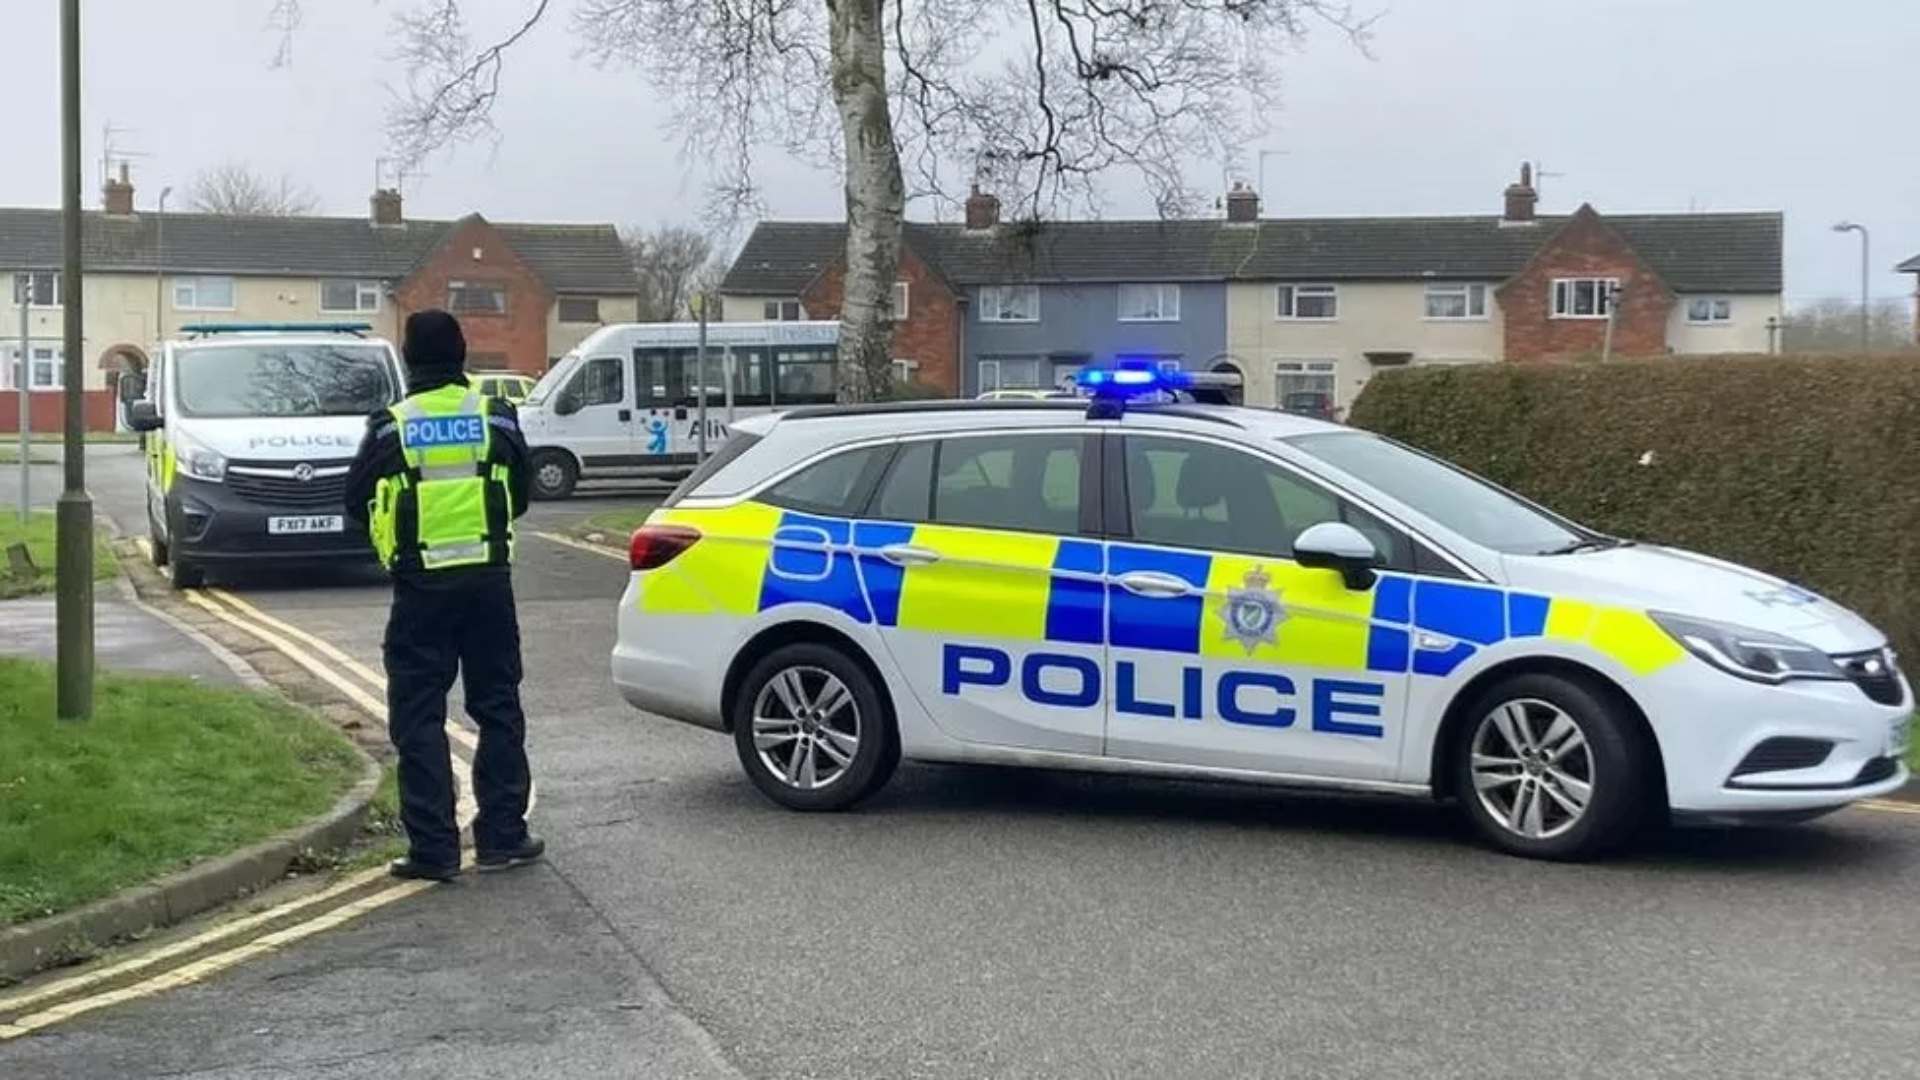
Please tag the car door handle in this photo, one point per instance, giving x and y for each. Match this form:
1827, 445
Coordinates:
908, 555
1152, 583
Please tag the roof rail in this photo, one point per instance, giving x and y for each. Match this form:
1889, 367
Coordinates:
209, 329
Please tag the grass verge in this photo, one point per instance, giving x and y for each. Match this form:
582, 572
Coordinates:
616, 524
37, 532
10, 455
166, 773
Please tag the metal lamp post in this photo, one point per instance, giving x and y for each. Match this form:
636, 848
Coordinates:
1866, 312
73, 519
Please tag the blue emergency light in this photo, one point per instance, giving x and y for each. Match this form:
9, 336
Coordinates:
204, 329
1111, 387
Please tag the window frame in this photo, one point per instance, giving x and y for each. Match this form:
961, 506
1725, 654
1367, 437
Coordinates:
900, 301
461, 286
1161, 291
1092, 445
560, 303
1715, 306
192, 284
24, 282
1425, 558
1470, 292
578, 382
776, 311
362, 289
1000, 292
865, 486
1286, 301
37, 352
1567, 289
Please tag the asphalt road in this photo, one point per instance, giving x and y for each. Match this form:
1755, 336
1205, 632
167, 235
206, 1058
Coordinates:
989, 923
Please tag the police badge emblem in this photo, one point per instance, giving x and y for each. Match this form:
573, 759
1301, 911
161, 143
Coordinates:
1252, 613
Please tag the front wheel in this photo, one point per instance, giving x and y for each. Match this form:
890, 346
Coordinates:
554, 474
1549, 769
811, 730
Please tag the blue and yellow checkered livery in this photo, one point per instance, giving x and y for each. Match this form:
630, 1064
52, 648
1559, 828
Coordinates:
1041, 589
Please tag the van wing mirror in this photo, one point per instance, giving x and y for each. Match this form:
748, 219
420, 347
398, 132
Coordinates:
566, 402
143, 416
1337, 546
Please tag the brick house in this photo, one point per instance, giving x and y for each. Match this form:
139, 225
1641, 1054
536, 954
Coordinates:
525, 293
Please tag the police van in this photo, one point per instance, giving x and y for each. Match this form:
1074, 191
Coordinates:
250, 429
1187, 589
625, 403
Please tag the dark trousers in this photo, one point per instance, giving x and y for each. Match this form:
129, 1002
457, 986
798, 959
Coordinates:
457, 622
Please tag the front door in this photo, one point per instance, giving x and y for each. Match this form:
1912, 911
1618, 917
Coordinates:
599, 425
1224, 652
991, 605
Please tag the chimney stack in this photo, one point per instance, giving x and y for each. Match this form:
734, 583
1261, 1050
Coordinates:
386, 208
118, 194
1243, 204
983, 210
1521, 197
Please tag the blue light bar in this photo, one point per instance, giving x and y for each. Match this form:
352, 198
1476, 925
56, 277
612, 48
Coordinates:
356, 329
1132, 380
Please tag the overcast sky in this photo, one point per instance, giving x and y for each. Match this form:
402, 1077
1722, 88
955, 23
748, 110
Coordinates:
1637, 105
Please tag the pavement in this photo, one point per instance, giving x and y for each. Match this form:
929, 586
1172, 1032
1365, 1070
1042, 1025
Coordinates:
990, 922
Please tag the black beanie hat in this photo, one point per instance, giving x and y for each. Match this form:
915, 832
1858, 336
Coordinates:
434, 342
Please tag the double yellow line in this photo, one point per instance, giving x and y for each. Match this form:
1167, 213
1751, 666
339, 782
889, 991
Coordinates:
50, 1003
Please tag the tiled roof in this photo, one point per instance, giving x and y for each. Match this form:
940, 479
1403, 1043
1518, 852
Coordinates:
1911, 266
571, 258
1734, 253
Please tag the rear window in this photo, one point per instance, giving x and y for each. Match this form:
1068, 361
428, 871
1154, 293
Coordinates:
737, 444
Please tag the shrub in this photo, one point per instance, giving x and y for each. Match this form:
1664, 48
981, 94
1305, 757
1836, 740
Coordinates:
1807, 467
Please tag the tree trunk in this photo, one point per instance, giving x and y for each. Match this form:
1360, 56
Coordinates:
876, 197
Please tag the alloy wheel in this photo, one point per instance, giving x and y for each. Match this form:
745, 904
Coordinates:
1533, 770
806, 727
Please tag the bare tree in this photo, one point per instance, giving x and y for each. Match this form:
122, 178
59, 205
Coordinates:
1832, 325
675, 264
1035, 99
236, 190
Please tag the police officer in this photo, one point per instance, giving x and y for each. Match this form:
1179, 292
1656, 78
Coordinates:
439, 481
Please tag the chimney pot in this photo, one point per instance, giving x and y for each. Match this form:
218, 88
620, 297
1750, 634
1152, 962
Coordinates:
983, 210
1521, 197
1243, 203
117, 194
387, 208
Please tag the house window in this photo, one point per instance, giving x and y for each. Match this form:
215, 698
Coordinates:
1010, 373
1584, 298
897, 310
37, 289
1709, 309
1304, 384
1149, 303
1307, 302
203, 294
1456, 301
45, 371
349, 296
476, 298
783, 311
903, 369
579, 309
1010, 303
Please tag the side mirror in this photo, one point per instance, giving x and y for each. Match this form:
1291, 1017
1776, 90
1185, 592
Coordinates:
143, 416
1334, 545
132, 387
566, 403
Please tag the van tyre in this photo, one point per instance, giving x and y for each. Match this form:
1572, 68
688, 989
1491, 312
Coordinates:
554, 474
185, 575
1546, 767
811, 729
156, 547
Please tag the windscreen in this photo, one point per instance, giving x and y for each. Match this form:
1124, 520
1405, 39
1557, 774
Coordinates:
1456, 499
283, 380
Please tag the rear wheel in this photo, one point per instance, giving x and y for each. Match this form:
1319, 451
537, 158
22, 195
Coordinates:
811, 731
554, 474
1549, 769
156, 547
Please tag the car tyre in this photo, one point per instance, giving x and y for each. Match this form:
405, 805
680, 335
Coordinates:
156, 548
554, 474
1548, 767
184, 575
812, 731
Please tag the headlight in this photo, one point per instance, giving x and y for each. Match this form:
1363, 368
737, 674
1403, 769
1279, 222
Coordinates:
198, 461
1757, 655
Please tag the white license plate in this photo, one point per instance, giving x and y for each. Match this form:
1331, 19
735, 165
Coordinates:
1899, 737
321, 523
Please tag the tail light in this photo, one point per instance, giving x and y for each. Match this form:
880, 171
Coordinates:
654, 546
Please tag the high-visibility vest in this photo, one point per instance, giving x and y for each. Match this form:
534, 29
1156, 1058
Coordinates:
451, 506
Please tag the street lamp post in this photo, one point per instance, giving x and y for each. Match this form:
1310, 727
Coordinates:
73, 519
1866, 313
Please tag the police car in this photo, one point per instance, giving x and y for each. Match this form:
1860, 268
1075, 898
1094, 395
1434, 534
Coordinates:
253, 428
1188, 589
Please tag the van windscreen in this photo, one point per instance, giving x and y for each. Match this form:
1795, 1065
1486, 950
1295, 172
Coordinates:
283, 380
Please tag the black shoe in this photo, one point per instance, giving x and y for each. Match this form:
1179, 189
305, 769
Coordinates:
419, 871
529, 850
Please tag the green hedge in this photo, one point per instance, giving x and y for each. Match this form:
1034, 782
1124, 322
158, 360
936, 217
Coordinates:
1804, 466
